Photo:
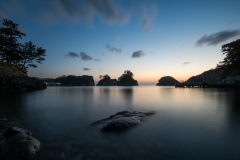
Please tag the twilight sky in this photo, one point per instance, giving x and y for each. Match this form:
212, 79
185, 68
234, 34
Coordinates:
178, 38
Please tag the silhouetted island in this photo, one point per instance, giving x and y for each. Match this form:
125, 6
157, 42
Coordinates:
13, 79
107, 81
124, 80
167, 81
71, 80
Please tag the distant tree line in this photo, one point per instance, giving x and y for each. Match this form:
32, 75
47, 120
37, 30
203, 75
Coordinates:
13, 52
72, 80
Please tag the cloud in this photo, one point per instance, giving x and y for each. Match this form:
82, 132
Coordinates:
86, 69
138, 54
217, 38
149, 15
85, 57
72, 55
98, 60
112, 12
186, 63
113, 49
85, 10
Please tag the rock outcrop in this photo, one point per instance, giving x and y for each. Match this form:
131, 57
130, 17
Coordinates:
19, 143
167, 81
12, 79
126, 80
122, 121
107, 81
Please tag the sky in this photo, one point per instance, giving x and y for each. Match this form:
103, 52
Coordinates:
152, 39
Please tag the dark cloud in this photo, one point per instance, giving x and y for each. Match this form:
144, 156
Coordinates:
72, 55
86, 10
85, 57
149, 14
110, 11
186, 63
98, 60
218, 37
86, 69
138, 54
113, 49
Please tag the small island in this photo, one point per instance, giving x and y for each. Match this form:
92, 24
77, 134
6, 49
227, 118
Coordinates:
126, 79
167, 81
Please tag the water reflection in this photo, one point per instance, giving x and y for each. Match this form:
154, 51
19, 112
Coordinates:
127, 97
233, 108
191, 123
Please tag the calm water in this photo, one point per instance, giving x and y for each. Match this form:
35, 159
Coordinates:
190, 123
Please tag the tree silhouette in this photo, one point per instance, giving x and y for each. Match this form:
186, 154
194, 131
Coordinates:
28, 53
128, 72
8, 40
13, 52
232, 59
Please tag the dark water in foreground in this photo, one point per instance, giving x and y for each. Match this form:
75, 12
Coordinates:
190, 124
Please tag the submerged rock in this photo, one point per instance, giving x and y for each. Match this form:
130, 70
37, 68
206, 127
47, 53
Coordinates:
123, 120
19, 143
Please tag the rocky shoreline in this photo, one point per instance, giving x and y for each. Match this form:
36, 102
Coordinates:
15, 142
12, 79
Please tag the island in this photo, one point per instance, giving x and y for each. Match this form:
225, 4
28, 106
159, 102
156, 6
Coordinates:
167, 81
126, 79
72, 80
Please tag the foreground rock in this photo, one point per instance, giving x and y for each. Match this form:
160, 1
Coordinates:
122, 121
19, 143
167, 81
12, 79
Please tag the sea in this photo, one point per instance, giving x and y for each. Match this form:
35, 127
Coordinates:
189, 124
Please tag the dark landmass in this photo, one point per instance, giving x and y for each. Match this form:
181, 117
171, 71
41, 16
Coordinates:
71, 80
213, 76
122, 121
45, 80
107, 81
167, 81
126, 79
217, 77
13, 79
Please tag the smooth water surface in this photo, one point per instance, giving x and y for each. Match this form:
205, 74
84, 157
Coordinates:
193, 123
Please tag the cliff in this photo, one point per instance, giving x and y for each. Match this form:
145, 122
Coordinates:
13, 79
167, 81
